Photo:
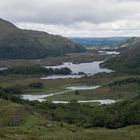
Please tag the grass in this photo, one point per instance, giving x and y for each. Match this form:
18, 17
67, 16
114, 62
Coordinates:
58, 85
35, 128
70, 133
117, 92
34, 125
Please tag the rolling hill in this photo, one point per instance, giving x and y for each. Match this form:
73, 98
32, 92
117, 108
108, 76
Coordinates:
17, 43
129, 59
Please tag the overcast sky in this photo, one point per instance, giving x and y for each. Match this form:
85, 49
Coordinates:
75, 17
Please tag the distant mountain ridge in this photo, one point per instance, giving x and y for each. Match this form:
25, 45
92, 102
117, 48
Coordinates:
129, 59
17, 43
98, 41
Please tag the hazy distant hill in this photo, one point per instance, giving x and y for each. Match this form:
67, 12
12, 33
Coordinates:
98, 42
16, 43
129, 59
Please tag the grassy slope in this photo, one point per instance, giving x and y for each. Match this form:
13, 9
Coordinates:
129, 59
34, 127
18, 43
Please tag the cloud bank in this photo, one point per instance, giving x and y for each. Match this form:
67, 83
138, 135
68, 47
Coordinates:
75, 18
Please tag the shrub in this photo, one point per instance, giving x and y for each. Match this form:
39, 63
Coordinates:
36, 85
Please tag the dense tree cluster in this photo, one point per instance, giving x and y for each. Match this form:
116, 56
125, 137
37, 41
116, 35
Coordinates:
27, 70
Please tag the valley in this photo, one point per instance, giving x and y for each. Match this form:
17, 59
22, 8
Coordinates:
39, 120
69, 70
78, 94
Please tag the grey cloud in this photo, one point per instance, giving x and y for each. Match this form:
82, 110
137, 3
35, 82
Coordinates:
66, 11
67, 17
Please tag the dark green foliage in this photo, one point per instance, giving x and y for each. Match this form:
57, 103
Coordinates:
109, 116
36, 85
11, 93
27, 70
12, 97
125, 81
11, 90
76, 92
112, 116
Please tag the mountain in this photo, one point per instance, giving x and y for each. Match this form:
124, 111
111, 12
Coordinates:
98, 42
17, 43
129, 59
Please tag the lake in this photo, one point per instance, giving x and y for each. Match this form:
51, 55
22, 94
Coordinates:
1, 69
101, 102
82, 87
109, 52
90, 68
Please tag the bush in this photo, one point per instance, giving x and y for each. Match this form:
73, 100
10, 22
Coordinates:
110, 116
11, 90
37, 85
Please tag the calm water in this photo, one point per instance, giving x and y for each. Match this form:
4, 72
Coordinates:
82, 87
87, 68
102, 102
42, 98
109, 52
62, 76
3, 68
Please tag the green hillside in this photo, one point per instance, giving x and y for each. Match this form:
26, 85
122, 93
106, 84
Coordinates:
24, 121
16, 43
129, 59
